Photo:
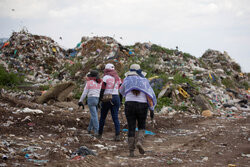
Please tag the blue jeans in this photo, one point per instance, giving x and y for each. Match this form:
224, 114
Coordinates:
93, 124
114, 107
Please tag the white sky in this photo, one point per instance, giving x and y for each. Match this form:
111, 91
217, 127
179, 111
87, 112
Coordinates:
193, 25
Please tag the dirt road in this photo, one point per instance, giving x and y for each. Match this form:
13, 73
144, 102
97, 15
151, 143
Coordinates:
49, 139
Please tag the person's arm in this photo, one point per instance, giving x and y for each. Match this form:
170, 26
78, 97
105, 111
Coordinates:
151, 106
84, 94
102, 90
122, 88
120, 95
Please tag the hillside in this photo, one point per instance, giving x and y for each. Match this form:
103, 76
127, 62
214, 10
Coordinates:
202, 112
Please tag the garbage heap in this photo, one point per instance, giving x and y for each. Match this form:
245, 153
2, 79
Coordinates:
182, 82
39, 57
95, 52
224, 67
220, 62
212, 84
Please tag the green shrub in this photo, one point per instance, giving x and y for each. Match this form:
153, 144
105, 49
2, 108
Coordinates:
77, 93
228, 83
188, 56
130, 46
245, 84
157, 48
9, 78
55, 74
195, 72
44, 87
164, 101
180, 108
133, 59
211, 104
73, 68
146, 65
179, 79
228, 72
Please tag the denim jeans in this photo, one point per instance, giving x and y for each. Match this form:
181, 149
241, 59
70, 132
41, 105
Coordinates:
114, 107
135, 111
93, 105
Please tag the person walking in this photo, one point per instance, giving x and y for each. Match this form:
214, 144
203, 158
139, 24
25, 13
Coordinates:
139, 97
110, 99
92, 91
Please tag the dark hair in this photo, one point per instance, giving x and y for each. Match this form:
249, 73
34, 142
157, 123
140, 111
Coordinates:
135, 92
98, 80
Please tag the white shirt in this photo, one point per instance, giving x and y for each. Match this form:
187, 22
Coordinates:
139, 98
91, 89
110, 89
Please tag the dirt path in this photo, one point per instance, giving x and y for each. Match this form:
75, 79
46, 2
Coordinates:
209, 142
184, 140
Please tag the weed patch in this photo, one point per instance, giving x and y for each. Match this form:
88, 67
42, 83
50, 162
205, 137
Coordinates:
9, 78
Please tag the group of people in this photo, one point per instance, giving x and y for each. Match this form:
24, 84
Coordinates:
108, 93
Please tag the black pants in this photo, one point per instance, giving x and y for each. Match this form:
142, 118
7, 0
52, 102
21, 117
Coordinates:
135, 111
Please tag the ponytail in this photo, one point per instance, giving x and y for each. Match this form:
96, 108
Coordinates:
135, 92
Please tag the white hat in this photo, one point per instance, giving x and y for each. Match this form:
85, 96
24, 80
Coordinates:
110, 66
135, 67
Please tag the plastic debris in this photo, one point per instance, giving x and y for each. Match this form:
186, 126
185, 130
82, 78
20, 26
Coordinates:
83, 151
146, 131
207, 113
28, 110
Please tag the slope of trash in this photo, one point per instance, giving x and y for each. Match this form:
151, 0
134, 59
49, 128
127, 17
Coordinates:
36, 57
198, 98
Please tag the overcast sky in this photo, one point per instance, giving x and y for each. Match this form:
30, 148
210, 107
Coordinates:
193, 25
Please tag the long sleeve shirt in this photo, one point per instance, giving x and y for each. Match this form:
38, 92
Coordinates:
91, 89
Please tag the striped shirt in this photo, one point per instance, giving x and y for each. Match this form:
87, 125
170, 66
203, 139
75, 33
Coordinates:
91, 89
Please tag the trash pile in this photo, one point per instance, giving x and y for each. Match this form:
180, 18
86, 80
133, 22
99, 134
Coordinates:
212, 84
181, 81
38, 56
222, 66
95, 52
221, 63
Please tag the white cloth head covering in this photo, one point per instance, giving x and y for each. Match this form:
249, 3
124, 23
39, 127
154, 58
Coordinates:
135, 67
110, 66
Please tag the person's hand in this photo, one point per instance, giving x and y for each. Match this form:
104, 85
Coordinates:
80, 104
152, 114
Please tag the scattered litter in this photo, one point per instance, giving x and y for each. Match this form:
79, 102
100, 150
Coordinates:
28, 110
245, 155
204, 159
102, 147
146, 131
83, 151
207, 113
